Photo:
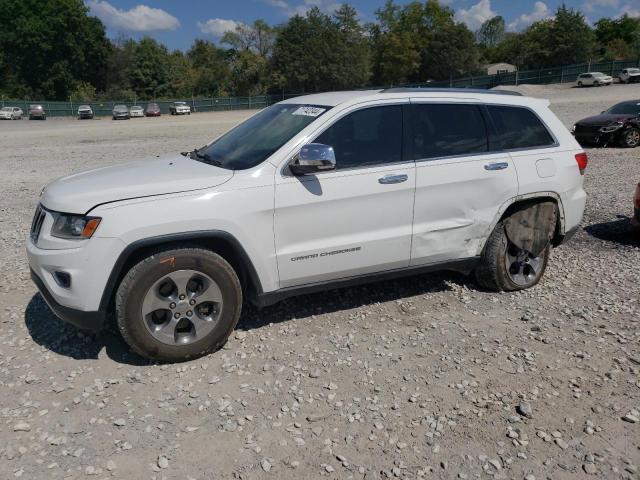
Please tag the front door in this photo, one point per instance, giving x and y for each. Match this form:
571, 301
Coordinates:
356, 219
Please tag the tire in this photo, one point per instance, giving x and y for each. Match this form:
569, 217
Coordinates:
175, 337
630, 138
492, 272
580, 84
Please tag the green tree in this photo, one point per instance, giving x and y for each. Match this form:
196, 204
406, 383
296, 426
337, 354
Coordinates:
491, 32
258, 38
618, 38
50, 47
451, 52
420, 41
149, 70
180, 75
318, 52
211, 72
562, 40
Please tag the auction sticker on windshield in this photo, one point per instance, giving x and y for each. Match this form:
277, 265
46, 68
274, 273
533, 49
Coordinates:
309, 111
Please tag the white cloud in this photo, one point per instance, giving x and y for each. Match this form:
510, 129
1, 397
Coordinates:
540, 12
631, 11
591, 5
218, 26
290, 8
140, 18
476, 15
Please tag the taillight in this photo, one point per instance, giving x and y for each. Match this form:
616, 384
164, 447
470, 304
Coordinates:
582, 160
636, 197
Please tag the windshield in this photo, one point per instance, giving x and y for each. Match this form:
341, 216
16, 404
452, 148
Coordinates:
120, 107
598, 74
626, 108
256, 139
633, 70
7, 109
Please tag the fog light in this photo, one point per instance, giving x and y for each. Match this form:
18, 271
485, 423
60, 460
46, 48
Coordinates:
63, 279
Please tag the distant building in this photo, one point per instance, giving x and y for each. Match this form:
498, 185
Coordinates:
496, 68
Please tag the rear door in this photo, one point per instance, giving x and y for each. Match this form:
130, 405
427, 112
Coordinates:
460, 184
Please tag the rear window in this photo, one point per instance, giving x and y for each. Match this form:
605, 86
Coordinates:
516, 128
447, 130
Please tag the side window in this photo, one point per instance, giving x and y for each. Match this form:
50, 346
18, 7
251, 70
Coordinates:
371, 136
442, 130
517, 127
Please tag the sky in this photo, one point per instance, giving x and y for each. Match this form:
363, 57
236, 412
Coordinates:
178, 23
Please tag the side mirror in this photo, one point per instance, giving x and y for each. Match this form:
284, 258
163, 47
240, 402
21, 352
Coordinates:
314, 158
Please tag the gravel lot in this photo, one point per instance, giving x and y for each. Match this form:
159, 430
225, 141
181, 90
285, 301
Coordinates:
423, 377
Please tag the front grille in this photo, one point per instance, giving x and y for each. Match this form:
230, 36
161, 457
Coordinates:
36, 224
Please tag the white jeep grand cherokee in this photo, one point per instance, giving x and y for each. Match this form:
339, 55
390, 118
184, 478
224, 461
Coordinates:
312, 193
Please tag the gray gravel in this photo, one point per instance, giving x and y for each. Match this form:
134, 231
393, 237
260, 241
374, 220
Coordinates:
422, 377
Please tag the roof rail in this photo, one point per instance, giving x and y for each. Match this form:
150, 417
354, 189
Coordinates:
449, 90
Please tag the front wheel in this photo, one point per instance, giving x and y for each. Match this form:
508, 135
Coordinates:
580, 84
630, 138
505, 267
179, 304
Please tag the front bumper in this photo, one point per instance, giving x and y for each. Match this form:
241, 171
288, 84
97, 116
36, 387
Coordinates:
596, 138
87, 320
88, 267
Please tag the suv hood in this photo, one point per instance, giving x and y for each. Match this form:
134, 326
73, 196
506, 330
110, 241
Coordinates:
80, 192
604, 119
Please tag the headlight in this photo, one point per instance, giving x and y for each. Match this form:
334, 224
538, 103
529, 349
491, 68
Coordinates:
73, 226
573, 129
611, 128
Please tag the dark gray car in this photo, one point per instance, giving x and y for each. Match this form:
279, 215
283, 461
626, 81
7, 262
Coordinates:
121, 112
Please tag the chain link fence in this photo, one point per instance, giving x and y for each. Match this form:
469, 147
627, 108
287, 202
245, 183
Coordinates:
564, 74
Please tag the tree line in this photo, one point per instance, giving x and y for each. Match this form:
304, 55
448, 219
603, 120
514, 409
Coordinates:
56, 50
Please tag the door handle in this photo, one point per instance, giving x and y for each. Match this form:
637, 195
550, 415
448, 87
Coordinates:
387, 179
496, 166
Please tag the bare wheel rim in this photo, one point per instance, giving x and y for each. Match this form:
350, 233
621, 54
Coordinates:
633, 138
523, 268
182, 307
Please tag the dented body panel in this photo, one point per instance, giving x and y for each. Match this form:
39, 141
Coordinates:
456, 203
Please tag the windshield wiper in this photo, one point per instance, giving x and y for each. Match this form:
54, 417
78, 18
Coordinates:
205, 158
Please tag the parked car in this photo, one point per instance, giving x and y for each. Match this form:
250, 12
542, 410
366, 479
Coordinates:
342, 191
635, 221
180, 108
593, 79
153, 110
121, 112
85, 112
37, 111
619, 125
136, 111
630, 75
11, 113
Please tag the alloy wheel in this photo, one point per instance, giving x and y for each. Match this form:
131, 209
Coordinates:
633, 138
182, 307
523, 268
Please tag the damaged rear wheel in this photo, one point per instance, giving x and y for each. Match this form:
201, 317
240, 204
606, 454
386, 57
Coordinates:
516, 254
